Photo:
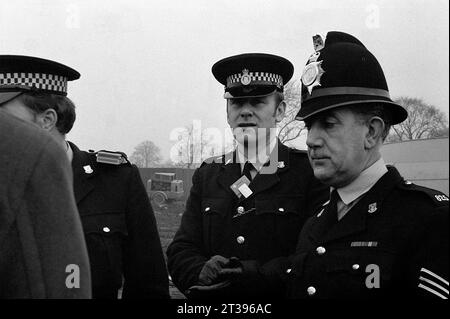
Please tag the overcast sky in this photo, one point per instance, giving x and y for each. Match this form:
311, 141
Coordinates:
146, 65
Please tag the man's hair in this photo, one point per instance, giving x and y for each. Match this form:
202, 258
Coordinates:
64, 107
279, 97
368, 110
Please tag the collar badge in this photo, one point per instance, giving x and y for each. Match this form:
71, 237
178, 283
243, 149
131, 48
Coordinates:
88, 169
372, 208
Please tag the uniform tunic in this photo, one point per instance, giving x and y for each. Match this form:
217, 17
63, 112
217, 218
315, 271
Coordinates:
120, 229
255, 229
393, 243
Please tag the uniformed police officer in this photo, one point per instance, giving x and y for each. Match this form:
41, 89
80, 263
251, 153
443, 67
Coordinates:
248, 206
117, 218
379, 236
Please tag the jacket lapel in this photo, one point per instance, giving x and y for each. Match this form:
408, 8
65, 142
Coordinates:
82, 183
269, 173
230, 171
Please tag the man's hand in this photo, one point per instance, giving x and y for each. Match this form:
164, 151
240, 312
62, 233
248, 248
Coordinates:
217, 266
231, 272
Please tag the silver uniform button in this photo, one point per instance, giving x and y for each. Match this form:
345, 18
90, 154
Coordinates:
288, 271
321, 250
240, 210
355, 267
281, 210
311, 291
240, 240
106, 229
207, 209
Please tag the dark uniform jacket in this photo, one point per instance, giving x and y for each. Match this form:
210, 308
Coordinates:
269, 227
392, 244
120, 229
42, 248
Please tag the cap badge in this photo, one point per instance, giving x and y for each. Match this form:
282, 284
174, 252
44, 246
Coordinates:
245, 78
312, 74
318, 43
372, 208
314, 57
88, 169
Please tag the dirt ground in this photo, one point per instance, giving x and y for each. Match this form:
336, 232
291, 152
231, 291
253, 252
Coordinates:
168, 218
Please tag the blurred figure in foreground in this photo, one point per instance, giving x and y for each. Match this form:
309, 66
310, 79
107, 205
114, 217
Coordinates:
42, 252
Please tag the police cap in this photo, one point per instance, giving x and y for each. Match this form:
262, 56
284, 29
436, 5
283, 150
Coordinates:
252, 74
20, 74
343, 72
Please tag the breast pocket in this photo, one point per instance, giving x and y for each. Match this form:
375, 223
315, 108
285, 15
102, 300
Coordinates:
364, 272
214, 212
286, 218
105, 235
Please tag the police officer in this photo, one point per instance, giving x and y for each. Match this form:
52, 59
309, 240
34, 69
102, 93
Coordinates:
117, 218
379, 236
248, 206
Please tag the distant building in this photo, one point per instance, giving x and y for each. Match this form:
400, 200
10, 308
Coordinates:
423, 162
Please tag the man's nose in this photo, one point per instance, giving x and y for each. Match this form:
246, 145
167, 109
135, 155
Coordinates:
313, 138
246, 111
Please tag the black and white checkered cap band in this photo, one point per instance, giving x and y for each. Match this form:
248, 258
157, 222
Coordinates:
42, 81
256, 78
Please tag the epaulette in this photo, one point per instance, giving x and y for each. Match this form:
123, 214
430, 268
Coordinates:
437, 197
109, 157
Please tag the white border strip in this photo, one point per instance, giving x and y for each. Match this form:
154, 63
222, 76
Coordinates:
433, 284
432, 291
434, 275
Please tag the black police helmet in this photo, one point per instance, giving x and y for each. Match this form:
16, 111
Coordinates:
343, 72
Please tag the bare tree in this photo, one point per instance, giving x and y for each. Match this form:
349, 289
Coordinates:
424, 121
196, 145
146, 154
192, 148
289, 127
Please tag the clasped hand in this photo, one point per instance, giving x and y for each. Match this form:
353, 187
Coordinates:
219, 267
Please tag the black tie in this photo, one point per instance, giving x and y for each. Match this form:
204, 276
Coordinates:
247, 168
332, 206
329, 216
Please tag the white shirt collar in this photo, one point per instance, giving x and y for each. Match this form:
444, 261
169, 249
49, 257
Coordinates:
257, 157
69, 152
363, 183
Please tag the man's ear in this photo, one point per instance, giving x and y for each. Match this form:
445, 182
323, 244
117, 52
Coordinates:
228, 113
280, 111
47, 119
375, 131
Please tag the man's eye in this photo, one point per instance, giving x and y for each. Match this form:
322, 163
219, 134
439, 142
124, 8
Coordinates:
256, 101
